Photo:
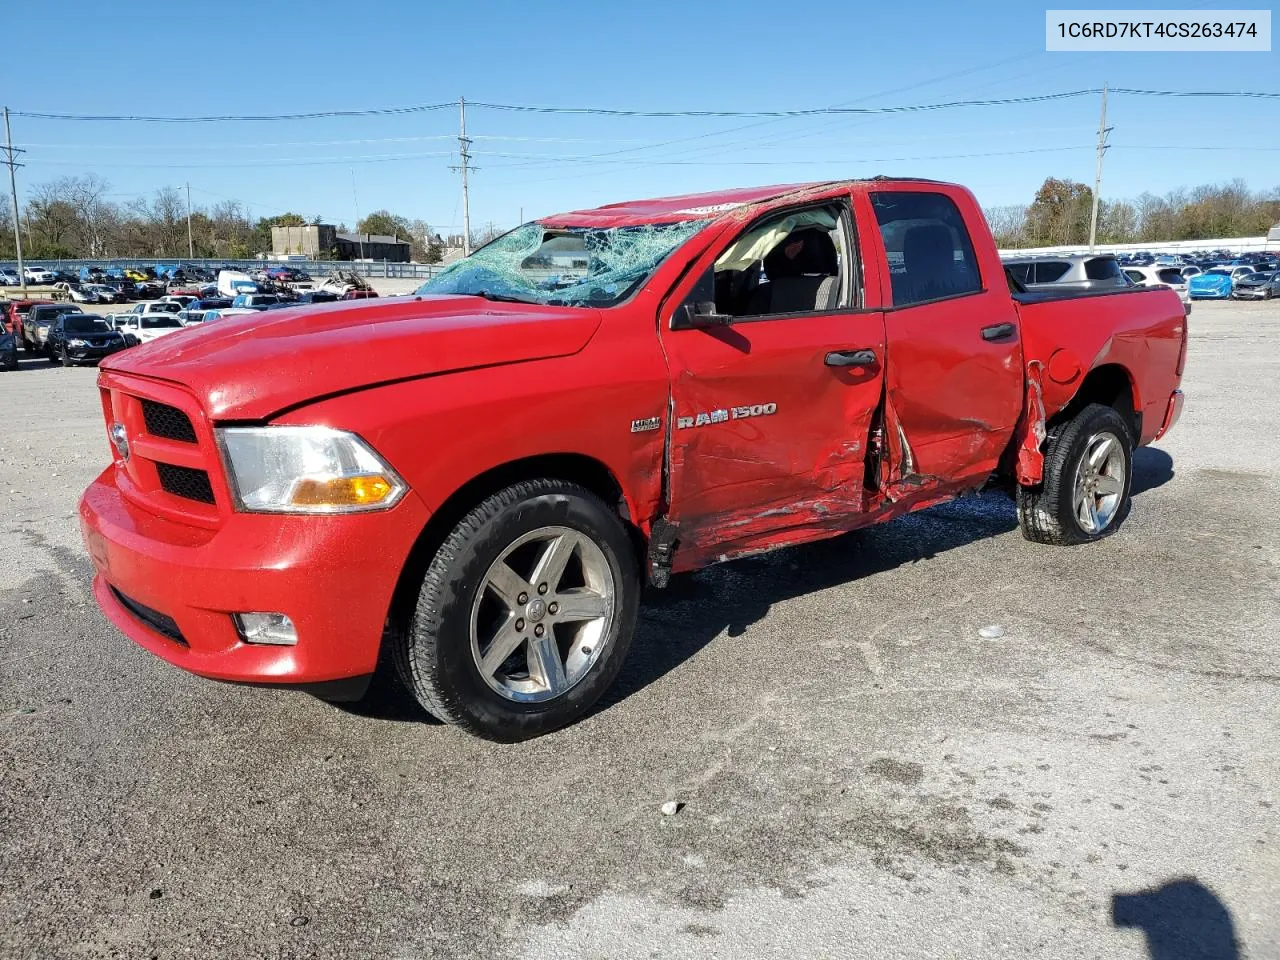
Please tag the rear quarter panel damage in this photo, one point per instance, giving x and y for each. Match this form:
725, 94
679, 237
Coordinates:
1140, 331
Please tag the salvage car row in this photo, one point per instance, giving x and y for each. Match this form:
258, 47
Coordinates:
1252, 277
64, 333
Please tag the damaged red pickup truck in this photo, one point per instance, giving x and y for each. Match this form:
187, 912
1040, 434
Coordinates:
477, 480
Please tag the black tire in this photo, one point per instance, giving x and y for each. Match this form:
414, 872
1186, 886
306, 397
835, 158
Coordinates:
433, 656
1046, 513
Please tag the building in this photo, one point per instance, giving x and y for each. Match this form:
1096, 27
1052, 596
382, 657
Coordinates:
373, 246
322, 241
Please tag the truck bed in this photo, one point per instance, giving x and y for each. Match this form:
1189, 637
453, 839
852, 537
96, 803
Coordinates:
1139, 332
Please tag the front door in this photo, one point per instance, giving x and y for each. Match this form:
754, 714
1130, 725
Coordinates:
771, 409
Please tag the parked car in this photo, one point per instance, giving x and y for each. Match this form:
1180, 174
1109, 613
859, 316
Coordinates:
106, 294
1157, 276
585, 433
75, 293
1074, 271
1191, 270
223, 312
8, 350
196, 310
126, 290
156, 307
39, 276
10, 278
82, 338
35, 326
182, 299
145, 327
254, 301
1216, 283
232, 283
13, 313
317, 296
1260, 285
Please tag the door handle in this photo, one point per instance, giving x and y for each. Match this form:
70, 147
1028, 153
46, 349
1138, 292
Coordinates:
851, 358
1001, 331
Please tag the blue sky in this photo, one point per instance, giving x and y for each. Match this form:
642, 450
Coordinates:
247, 58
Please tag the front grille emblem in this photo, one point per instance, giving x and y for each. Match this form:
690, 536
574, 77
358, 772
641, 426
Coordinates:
120, 439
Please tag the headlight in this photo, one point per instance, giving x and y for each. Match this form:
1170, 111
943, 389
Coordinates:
77, 343
306, 470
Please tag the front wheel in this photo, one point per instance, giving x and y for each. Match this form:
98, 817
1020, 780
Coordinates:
1088, 469
525, 613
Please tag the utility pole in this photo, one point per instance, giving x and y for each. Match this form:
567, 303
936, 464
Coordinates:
355, 202
191, 245
1103, 130
464, 164
13, 165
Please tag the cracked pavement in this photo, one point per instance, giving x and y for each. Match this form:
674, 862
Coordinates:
862, 774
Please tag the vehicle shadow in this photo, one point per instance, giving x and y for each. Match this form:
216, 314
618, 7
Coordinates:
676, 623
27, 361
1182, 919
1152, 468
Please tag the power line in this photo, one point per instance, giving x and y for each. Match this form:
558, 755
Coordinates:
617, 112
225, 118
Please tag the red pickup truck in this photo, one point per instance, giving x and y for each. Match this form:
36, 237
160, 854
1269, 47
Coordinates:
478, 480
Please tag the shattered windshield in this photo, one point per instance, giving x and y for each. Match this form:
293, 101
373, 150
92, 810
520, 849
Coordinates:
565, 266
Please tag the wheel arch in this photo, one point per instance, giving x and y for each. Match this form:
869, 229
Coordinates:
581, 469
1112, 385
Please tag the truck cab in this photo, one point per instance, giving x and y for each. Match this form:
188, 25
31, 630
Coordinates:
475, 482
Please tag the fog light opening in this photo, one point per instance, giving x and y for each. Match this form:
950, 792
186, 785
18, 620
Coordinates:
272, 628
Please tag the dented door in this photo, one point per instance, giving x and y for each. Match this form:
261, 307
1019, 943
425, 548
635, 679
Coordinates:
955, 381
767, 441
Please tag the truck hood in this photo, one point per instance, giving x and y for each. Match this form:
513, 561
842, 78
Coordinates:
253, 366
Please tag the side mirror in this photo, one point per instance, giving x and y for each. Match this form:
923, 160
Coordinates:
698, 315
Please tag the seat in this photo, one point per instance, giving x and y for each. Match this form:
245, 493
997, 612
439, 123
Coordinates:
930, 270
804, 283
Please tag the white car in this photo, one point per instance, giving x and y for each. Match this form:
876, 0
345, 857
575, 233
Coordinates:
1190, 271
76, 293
223, 312
148, 326
38, 275
1160, 277
10, 278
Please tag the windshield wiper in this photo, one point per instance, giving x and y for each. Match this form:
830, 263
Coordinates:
505, 297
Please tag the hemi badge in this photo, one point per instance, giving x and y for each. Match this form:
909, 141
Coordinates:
649, 423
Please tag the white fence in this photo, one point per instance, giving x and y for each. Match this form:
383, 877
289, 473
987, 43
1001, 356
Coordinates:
1231, 245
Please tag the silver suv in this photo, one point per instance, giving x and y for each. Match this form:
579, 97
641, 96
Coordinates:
1070, 271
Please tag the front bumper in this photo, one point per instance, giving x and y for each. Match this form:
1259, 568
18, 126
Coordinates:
92, 354
172, 588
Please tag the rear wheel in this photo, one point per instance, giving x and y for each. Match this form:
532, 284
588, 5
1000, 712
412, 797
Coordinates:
1088, 468
525, 613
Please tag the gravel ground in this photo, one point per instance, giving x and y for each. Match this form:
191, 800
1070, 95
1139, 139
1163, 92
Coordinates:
862, 774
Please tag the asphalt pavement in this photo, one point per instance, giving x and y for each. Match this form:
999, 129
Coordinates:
862, 773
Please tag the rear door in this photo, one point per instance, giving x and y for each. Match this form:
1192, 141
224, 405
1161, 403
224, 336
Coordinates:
770, 411
955, 377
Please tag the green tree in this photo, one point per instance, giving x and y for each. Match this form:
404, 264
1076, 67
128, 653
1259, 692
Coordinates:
1060, 213
386, 223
